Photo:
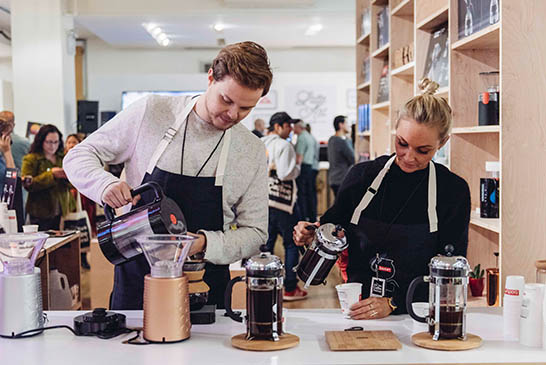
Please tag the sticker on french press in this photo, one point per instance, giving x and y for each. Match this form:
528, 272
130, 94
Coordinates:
384, 271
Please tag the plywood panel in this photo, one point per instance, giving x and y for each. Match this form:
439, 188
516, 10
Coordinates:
482, 244
380, 133
402, 29
425, 8
468, 155
523, 180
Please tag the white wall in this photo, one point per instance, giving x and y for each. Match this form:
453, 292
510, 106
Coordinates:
112, 71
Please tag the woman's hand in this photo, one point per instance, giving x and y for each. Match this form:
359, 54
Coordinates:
58, 173
5, 143
303, 235
371, 308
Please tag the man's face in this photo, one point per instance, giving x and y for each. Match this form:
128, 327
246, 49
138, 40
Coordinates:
345, 127
283, 130
227, 102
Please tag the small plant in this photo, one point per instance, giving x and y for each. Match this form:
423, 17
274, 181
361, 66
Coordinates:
477, 273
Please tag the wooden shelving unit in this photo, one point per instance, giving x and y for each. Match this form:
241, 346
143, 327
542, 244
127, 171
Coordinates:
519, 233
363, 86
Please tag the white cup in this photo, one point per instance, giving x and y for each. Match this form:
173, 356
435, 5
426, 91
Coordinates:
531, 315
420, 308
348, 294
511, 310
30, 228
515, 284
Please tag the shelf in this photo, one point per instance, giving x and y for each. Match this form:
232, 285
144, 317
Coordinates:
380, 2
363, 38
477, 129
491, 224
434, 20
382, 52
406, 70
381, 106
487, 38
364, 134
405, 8
363, 86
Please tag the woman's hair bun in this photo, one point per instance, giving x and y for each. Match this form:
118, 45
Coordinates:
427, 86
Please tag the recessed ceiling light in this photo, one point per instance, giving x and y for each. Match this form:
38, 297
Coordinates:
313, 29
161, 37
218, 27
165, 42
156, 31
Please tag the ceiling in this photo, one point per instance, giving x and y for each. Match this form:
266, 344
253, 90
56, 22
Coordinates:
189, 23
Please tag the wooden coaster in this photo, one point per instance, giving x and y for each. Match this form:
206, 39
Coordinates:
424, 339
285, 341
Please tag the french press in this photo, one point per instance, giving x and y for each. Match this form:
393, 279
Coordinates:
448, 282
117, 235
319, 258
264, 290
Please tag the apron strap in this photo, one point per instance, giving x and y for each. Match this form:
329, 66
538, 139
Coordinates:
222, 162
371, 191
374, 187
169, 135
432, 215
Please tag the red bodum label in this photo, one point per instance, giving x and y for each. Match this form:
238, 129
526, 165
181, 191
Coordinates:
383, 268
513, 292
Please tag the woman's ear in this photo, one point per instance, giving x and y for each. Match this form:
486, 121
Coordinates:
444, 141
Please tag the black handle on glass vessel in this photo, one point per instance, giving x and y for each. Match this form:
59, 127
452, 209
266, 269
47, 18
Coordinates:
236, 316
109, 212
409, 298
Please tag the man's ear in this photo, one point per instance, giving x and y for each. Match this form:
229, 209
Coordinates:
210, 77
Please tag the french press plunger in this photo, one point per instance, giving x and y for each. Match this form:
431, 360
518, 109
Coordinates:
319, 258
448, 282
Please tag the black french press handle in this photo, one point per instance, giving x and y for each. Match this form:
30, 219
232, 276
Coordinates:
236, 316
409, 298
109, 212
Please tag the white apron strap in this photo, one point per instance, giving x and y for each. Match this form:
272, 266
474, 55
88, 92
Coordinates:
169, 135
371, 191
221, 169
432, 215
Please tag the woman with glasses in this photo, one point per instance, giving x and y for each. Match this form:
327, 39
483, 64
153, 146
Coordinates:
49, 191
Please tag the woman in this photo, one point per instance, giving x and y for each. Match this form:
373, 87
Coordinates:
71, 141
49, 191
401, 210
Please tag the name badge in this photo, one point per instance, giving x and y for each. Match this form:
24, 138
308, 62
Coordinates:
377, 289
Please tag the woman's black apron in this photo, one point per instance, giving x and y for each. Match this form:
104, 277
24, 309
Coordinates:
395, 253
200, 199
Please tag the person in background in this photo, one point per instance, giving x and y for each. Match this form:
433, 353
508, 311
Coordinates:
49, 191
6, 156
341, 154
306, 155
71, 141
283, 211
259, 128
400, 211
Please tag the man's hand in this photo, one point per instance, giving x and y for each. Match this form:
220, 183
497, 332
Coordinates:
118, 194
5, 143
199, 244
302, 234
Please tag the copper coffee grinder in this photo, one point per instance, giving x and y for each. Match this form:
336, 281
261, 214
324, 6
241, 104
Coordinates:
264, 313
166, 294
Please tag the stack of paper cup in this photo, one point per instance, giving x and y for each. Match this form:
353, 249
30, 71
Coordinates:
513, 296
348, 295
531, 315
12, 217
4, 221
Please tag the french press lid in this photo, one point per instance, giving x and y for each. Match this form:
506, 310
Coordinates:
449, 266
328, 237
264, 265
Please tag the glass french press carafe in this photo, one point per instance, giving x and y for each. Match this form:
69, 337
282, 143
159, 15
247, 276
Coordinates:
448, 282
264, 288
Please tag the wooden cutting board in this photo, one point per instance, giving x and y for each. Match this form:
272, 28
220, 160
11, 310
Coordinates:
362, 340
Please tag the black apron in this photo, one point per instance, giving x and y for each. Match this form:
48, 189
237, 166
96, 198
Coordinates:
410, 246
200, 200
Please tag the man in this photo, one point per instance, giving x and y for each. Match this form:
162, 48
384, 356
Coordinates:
20, 146
306, 150
283, 171
259, 128
341, 154
209, 164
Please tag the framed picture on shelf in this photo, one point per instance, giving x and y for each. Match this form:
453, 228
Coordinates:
383, 87
437, 59
475, 15
383, 27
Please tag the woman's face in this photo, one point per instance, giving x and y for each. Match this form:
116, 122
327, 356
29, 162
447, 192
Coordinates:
415, 145
51, 143
70, 142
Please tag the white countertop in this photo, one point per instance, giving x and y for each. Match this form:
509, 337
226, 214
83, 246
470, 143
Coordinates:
211, 344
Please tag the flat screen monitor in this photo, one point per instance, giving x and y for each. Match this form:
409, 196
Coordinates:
129, 97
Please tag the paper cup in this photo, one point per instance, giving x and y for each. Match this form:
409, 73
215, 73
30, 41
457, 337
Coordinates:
348, 295
30, 228
515, 284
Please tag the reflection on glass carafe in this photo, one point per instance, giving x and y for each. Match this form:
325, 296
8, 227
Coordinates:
541, 271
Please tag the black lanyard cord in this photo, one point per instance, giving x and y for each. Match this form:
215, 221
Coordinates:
184, 144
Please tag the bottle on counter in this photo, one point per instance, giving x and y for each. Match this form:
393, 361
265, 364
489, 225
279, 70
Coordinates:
489, 191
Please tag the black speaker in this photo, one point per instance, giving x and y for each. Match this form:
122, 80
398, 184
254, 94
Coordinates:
88, 116
105, 116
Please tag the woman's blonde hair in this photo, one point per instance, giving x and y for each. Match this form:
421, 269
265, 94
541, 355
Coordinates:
428, 109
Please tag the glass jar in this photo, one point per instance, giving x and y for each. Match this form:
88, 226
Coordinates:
541, 271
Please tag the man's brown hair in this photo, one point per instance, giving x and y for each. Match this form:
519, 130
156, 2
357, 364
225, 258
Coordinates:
247, 63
